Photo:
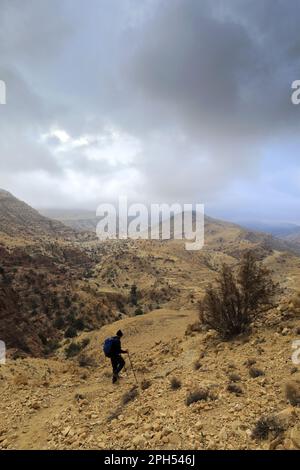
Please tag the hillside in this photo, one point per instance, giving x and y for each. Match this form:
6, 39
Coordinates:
18, 219
287, 232
59, 299
50, 286
44, 287
80, 220
72, 404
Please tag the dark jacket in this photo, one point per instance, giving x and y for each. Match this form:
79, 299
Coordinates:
116, 347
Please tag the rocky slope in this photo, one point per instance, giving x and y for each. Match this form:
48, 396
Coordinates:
241, 386
78, 220
53, 285
17, 219
58, 299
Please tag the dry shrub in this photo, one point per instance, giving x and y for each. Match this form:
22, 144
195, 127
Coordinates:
145, 384
255, 372
233, 377
234, 388
130, 395
198, 394
175, 383
86, 361
265, 426
114, 414
236, 300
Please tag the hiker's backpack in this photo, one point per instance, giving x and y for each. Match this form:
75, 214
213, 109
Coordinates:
108, 346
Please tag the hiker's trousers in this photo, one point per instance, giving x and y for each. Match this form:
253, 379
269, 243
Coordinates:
117, 363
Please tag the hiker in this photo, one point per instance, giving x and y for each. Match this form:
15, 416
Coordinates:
112, 349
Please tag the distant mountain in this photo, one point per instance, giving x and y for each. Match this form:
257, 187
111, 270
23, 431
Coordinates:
285, 231
80, 220
216, 231
18, 219
277, 229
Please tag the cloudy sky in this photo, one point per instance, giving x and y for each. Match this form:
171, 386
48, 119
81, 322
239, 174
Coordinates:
159, 100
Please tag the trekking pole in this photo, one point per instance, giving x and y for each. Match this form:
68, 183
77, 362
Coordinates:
132, 369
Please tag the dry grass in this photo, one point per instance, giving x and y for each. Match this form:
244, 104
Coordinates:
234, 388
265, 426
255, 372
197, 395
145, 384
130, 395
175, 383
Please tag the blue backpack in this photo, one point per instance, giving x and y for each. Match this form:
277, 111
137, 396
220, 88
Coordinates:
108, 346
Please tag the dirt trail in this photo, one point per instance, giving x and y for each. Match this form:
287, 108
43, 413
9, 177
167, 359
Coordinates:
55, 404
141, 335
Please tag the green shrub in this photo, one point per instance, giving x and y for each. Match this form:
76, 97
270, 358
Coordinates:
78, 324
133, 295
72, 350
139, 311
59, 323
70, 332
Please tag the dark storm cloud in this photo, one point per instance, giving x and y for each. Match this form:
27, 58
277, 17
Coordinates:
216, 73
203, 86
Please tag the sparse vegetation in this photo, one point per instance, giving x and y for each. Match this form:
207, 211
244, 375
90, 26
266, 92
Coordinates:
130, 395
234, 388
145, 384
74, 348
59, 323
255, 372
139, 311
235, 301
133, 295
86, 361
51, 346
250, 362
265, 426
197, 365
114, 414
70, 332
175, 383
197, 395
233, 377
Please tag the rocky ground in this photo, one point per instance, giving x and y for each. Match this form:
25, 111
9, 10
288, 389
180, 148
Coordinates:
236, 388
58, 299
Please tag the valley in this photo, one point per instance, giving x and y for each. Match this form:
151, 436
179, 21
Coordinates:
62, 292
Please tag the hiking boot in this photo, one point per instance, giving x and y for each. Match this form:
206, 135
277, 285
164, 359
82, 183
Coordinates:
115, 379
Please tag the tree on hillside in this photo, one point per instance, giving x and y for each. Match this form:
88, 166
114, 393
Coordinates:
236, 300
133, 295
